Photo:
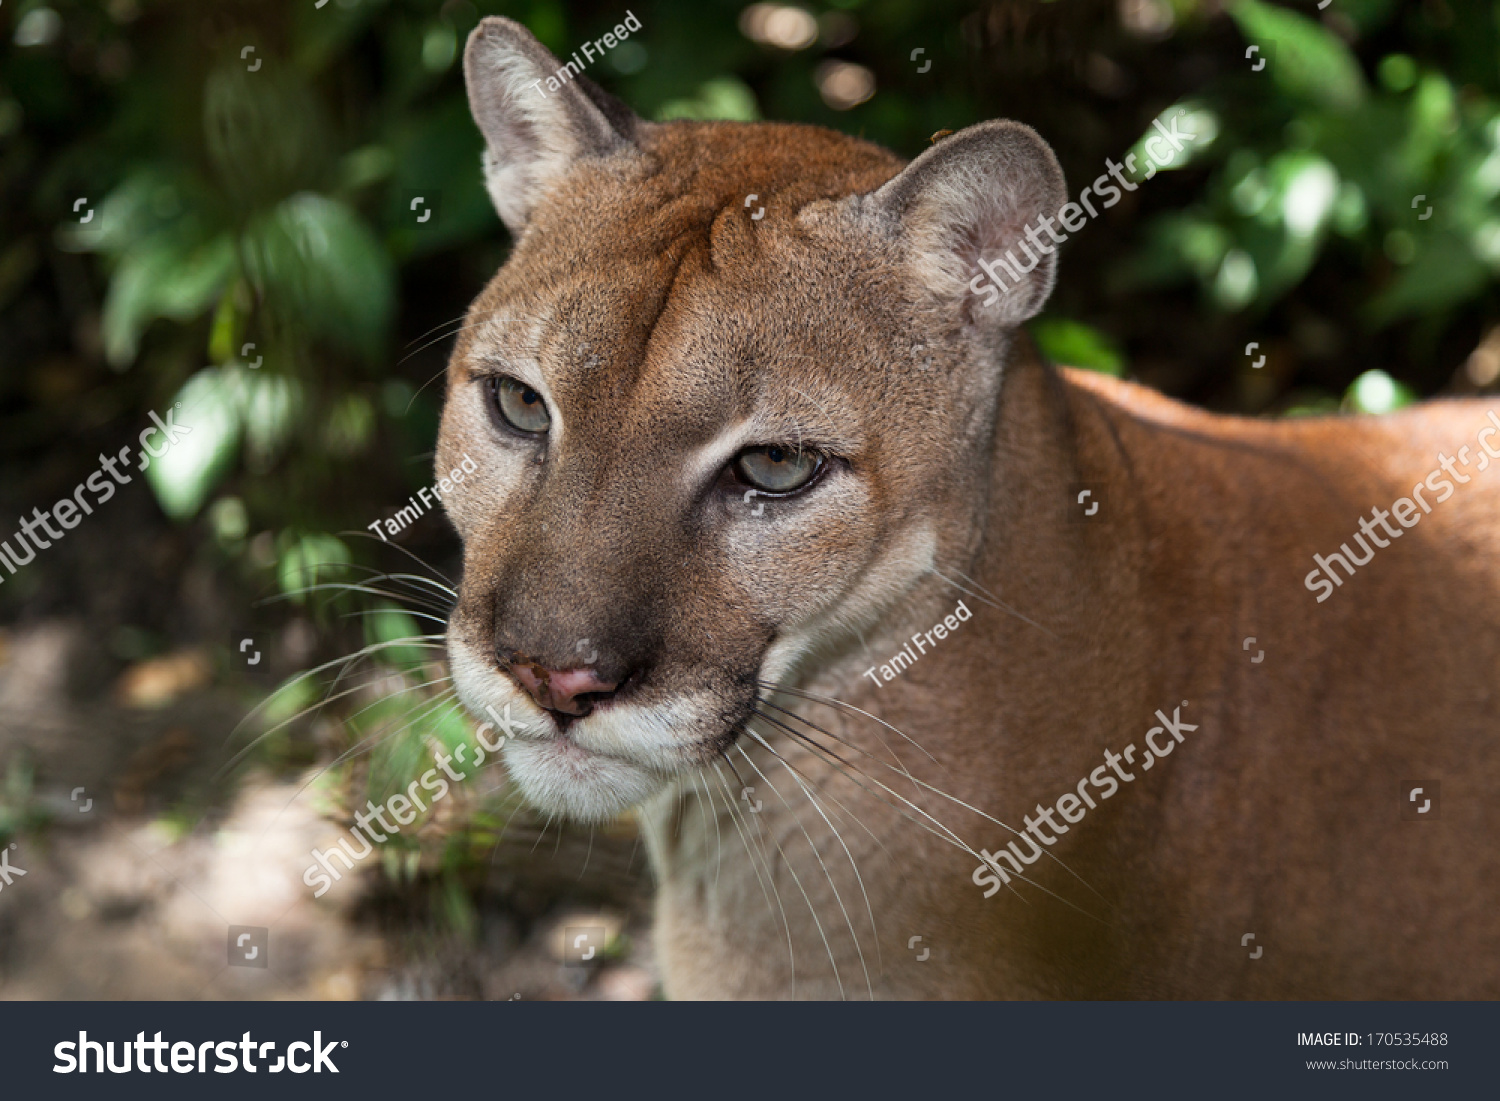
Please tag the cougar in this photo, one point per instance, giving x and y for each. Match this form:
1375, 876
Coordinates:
931, 669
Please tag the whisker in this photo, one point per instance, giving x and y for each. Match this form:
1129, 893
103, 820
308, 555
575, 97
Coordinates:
976, 584
434, 642
999, 605
811, 909
365, 652
367, 612
829, 701
718, 838
587, 856
959, 802
770, 875
946, 834
827, 795
838, 898
442, 601
853, 864
418, 351
364, 745
505, 829
543, 833
435, 328
438, 577
833, 758
353, 587
437, 581
900, 765
919, 783
851, 773
468, 322
368, 743
430, 642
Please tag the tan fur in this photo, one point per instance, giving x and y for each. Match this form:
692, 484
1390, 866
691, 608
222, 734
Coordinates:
666, 329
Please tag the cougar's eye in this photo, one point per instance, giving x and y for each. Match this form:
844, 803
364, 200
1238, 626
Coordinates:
519, 406
777, 469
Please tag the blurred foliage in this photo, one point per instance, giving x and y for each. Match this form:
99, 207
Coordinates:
272, 214
20, 813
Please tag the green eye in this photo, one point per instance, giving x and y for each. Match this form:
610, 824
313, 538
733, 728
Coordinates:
519, 405
777, 469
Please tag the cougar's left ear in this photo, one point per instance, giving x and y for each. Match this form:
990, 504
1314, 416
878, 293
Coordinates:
534, 133
971, 198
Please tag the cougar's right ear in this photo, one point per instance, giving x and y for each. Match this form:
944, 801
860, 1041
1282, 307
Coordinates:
973, 203
534, 133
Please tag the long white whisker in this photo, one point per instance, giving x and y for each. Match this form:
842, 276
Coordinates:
300, 677
443, 582
926, 786
811, 909
853, 864
770, 875
829, 701
439, 582
543, 833
827, 795
947, 834
353, 587
837, 897
714, 814
999, 605
311, 707
364, 745
362, 613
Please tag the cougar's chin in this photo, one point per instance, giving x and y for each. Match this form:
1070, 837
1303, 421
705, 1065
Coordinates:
558, 776
617, 757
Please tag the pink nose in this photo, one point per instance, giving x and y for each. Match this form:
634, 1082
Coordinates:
560, 689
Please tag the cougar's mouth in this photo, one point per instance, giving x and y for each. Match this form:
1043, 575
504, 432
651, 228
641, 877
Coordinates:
598, 757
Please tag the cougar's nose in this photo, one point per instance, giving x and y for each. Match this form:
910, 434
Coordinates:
567, 691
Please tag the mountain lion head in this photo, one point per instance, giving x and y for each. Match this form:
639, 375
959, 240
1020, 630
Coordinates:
729, 399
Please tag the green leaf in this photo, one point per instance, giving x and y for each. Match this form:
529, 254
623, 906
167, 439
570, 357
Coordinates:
163, 277
725, 97
185, 475
310, 560
265, 132
1077, 345
321, 272
1305, 60
1444, 274
387, 625
271, 404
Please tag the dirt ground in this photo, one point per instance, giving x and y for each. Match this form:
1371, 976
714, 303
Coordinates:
141, 867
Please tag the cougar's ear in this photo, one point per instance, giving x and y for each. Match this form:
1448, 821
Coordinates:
534, 133
971, 198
